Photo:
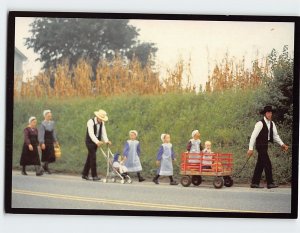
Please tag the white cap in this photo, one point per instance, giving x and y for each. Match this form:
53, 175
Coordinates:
194, 132
133, 131
46, 112
162, 136
31, 119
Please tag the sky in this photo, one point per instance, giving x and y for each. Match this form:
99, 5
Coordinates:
204, 42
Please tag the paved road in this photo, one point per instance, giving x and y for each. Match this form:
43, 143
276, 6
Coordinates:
71, 192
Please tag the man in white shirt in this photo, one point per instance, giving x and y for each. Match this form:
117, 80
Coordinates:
264, 132
95, 135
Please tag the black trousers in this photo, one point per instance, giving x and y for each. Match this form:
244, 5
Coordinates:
90, 163
263, 164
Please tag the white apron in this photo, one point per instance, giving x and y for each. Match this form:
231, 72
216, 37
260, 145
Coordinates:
133, 162
195, 148
166, 164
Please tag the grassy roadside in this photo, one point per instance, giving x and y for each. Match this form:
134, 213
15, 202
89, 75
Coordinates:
227, 119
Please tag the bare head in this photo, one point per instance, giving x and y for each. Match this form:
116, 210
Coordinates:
208, 145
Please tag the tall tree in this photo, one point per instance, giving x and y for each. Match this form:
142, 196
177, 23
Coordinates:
143, 53
59, 39
281, 87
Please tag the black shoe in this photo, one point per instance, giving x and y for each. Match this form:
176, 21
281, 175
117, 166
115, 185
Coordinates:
85, 177
256, 186
24, 173
173, 182
155, 181
141, 179
46, 169
40, 173
272, 186
96, 178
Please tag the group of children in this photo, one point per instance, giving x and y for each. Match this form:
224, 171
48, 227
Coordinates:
130, 161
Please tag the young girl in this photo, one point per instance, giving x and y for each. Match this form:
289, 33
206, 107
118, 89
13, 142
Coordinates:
132, 153
194, 146
164, 159
207, 159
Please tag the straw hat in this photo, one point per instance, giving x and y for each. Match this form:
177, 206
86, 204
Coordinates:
194, 132
101, 114
133, 131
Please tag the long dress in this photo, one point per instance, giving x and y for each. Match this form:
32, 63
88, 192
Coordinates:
47, 135
132, 153
29, 157
165, 155
194, 148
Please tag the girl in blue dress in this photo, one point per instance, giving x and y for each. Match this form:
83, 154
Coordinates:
132, 153
164, 160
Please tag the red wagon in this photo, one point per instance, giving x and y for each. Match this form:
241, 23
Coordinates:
195, 165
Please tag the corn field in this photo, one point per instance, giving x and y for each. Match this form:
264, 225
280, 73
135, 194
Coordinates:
117, 77
111, 78
232, 74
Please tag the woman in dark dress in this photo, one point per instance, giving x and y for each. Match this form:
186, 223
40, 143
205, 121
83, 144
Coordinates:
30, 153
47, 139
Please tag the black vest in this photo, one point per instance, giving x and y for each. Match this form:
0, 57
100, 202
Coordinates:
262, 138
88, 138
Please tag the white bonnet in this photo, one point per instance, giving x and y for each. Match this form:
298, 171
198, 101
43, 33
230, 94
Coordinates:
133, 131
31, 119
46, 112
162, 136
194, 132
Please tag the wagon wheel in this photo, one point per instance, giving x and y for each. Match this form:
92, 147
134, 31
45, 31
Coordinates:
196, 180
228, 181
218, 182
186, 181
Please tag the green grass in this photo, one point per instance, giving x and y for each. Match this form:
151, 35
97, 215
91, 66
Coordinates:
227, 119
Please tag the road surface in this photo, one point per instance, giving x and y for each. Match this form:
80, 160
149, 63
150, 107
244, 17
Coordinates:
71, 192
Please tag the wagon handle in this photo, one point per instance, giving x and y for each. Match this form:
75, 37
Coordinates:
237, 173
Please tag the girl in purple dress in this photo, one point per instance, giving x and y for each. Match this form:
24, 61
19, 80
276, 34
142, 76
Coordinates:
30, 154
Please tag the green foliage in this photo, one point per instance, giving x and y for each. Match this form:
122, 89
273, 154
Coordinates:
143, 53
278, 91
227, 119
59, 39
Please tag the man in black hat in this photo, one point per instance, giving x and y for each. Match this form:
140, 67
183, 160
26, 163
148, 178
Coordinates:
264, 132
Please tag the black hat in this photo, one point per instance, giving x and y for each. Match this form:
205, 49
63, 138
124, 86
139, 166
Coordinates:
267, 108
